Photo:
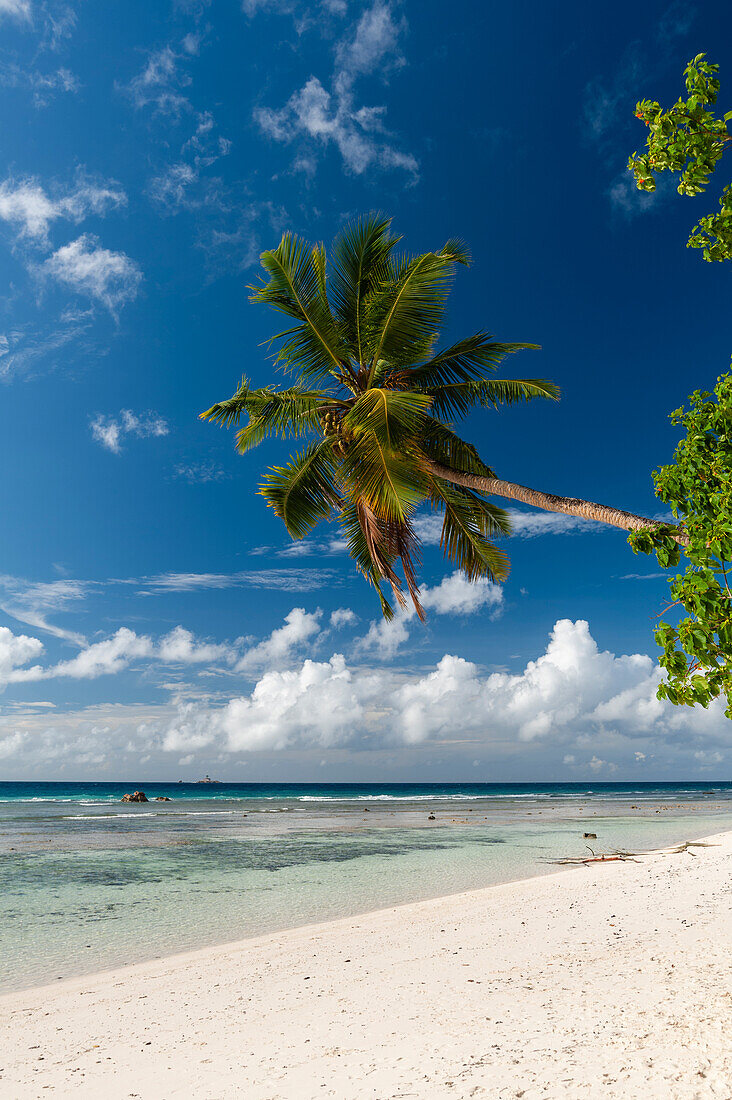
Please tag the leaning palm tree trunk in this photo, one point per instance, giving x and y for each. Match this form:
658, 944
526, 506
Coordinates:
549, 502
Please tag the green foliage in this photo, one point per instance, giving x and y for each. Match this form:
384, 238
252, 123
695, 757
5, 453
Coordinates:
697, 651
690, 139
371, 395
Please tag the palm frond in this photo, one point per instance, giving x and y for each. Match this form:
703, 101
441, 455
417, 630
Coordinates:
443, 446
290, 412
406, 312
296, 287
467, 360
457, 398
304, 491
392, 415
366, 546
390, 481
468, 521
359, 259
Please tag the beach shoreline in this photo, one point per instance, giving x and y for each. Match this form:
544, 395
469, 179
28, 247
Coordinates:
482, 993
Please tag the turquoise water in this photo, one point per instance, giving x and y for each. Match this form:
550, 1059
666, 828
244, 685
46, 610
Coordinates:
88, 883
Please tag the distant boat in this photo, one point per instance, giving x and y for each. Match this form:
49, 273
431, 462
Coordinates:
208, 779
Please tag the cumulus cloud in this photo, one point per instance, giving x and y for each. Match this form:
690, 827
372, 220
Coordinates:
29, 208
575, 702
111, 278
109, 431
342, 616
329, 115
321, 704
300, 626
593, 710
181, 647
455, 595
16, 650
106, 657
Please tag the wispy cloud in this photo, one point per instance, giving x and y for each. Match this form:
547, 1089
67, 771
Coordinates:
324, 115
287, 580
33, 603
43, 85
111, 278
30, 209
109, 431
19, 10
525, 525
200, 473
161, 82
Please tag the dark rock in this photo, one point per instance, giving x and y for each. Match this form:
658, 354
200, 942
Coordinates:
590, 836
138, 796
431, 817
161, 798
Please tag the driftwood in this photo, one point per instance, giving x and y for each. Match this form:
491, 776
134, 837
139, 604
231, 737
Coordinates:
614, 857
628, 857
687, 846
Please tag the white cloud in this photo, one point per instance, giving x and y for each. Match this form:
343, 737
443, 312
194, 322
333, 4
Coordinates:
593, 710
375, 41
106, 657
200, 473
16, 650
342, 616
323, 116
103, 658
27, 206
32, 603
300, 626
161, 81
455, 595
286, 580
109, 431
181, 647
320, 704
112, 278
16, 9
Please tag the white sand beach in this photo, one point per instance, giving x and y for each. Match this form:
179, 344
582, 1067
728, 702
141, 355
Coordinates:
610, 981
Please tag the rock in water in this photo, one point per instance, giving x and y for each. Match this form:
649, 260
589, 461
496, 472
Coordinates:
162, 798
590, 836
137, 796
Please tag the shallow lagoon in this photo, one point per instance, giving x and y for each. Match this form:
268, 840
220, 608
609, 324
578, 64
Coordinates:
87, 883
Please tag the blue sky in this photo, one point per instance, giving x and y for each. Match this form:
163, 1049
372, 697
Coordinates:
155, 619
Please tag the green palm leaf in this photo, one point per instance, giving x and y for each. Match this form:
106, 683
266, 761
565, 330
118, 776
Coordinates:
457, 398
407, 311
392, 415
465, 361
468, 521
359, 258
304, 491
296, 287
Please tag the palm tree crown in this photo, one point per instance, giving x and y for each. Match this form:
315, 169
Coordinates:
374, 399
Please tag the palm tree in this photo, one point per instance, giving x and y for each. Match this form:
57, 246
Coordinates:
375, 400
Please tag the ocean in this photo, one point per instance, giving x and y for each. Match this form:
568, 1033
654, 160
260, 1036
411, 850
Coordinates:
88, 882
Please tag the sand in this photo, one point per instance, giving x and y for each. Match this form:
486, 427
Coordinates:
610, 981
